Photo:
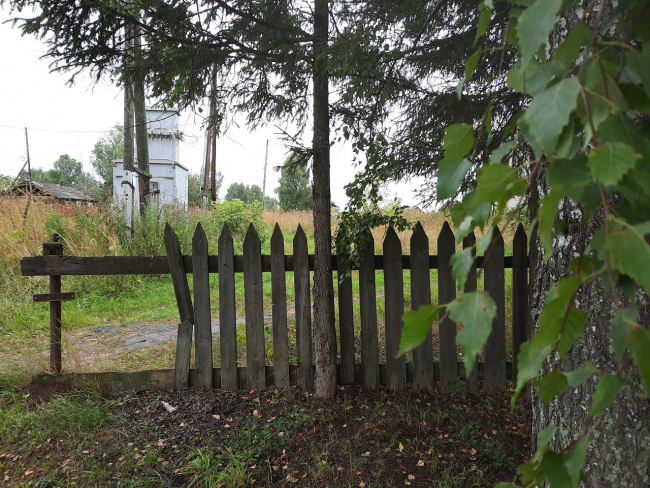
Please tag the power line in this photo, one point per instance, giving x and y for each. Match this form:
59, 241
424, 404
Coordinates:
59, 131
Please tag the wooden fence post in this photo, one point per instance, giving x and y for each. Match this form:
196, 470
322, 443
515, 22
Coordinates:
421, 295
394, 299
346, 320
368, 305
303, 309
55, 248
470, 285
185, 309
519, 295
446, 294
279, 297
253, 299
227, 311
495, 349
202, 316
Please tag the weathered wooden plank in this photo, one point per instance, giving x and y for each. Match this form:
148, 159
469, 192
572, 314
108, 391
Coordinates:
394, 309
495, 349
519, 294
179, 277
303, 309
227, 311
53, 297
134, 265
56, 362
253, 300
346, 320
421, 295
446, 294
368, 306
183, 355
202, 316
279, 297
185, 309
470, 285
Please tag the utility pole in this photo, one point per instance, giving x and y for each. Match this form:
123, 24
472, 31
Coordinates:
213, 168
266, 157
29, 164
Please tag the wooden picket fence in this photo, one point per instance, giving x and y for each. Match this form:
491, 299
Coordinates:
196, 311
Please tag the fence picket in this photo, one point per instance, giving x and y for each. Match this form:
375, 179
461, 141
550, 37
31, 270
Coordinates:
346, 321
253, 294
394, 306
279, 297
519, 294
446, 294
185, 309
495, 349
227, 310
470, 285
421, 295
368, 306
303, 309
202, 319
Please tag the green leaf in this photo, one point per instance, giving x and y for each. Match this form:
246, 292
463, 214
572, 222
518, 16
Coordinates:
556, 307
571, 172
534, 26
639, 65
577, 460
451, 173
551, 385
518, 76
483, 22
470, 66
610, 161
458, 140
547, 213
546, 435
639, 344
568, 51
417, 325
461, 263
532, 355
549, 112
580, 375
554, 466
484, 242
543, 76
574, 326
618, 330
606, 389
499, 153
630, 253
475, 310
497, 183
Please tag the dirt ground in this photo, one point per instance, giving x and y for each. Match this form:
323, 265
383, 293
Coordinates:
286, 438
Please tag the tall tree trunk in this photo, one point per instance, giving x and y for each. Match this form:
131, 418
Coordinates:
624, 434
126, 190
141, 124
324, 331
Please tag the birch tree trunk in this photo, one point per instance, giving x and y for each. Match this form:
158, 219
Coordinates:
616, 455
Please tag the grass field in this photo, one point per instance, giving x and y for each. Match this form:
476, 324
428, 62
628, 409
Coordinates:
123, 300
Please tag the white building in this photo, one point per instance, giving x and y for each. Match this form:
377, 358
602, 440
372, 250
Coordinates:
169, 179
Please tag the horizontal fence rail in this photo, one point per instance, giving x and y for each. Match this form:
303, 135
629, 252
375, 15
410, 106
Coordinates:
153, 265
258, 373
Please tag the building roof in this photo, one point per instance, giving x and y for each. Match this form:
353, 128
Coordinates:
52, 190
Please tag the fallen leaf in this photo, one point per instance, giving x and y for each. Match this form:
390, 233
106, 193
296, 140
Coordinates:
420, 463
401, 447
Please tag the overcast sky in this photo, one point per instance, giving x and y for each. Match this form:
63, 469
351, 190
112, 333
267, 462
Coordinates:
63, 119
